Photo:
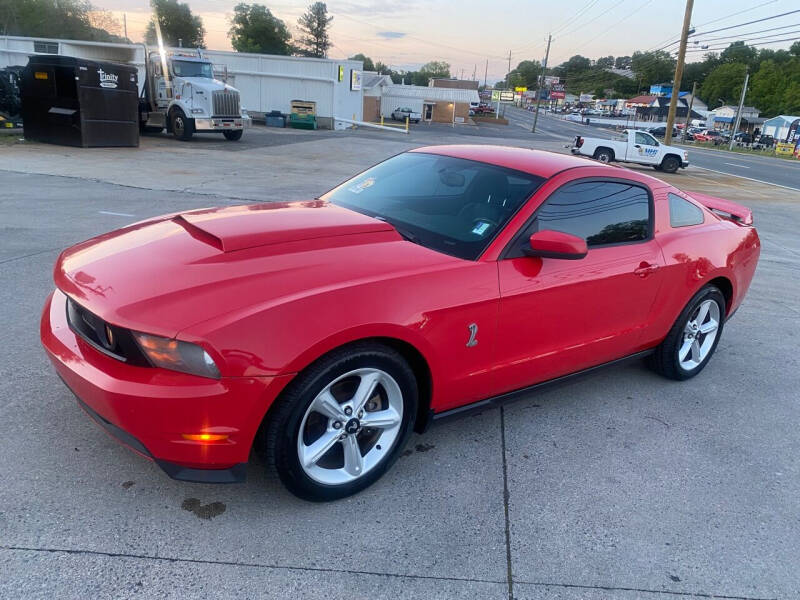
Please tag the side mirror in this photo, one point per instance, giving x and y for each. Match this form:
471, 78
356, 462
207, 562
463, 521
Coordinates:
556, 244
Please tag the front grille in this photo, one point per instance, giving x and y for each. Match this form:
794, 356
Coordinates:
226, 103
111, 340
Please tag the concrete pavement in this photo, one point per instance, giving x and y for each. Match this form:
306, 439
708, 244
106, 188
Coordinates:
621, 486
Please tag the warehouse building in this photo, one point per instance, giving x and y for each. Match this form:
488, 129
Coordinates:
435, 104
266, 82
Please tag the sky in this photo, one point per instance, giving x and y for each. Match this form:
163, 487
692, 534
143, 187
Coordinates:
476, 36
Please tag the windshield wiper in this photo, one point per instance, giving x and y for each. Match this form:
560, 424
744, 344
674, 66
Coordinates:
404, 233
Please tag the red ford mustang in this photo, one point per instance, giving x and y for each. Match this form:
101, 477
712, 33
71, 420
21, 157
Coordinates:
322, 333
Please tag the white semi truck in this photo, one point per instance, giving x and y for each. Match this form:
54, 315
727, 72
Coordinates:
181, 95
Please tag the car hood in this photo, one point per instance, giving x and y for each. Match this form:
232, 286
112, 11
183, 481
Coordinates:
167, 273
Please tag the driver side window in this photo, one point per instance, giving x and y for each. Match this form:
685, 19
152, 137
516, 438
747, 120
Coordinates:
601, 212
647, 140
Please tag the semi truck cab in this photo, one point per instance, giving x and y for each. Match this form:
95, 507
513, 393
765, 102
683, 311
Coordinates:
181, 94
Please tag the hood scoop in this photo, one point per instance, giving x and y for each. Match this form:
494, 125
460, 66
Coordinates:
241, 227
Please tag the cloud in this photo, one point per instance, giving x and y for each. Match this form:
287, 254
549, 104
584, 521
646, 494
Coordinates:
374, 8
391, 35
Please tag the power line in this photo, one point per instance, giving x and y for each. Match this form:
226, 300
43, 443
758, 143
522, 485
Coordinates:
791, 12
575, 16
725, 46
738, 36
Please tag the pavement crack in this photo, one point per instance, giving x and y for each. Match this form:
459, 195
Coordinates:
509, 569
250, 565
614, 588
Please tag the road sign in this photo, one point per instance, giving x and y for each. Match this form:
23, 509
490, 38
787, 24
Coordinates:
506, 96
495, 95
585, 98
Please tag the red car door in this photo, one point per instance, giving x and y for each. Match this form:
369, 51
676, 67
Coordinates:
560, 316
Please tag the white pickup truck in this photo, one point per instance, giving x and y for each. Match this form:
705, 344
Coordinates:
635, 147
400, 114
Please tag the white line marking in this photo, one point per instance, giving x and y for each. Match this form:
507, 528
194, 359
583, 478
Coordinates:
786, 187
116, 214
736, 165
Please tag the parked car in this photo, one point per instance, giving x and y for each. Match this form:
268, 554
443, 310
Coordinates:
660, 132
711, 135
322, 333
743, 137
400, 114
765, 141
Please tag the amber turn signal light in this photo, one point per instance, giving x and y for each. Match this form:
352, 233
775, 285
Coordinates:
205, 437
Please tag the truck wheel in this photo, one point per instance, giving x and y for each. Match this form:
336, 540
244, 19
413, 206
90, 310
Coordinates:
182, 127
604, 155
670, 164
233, 134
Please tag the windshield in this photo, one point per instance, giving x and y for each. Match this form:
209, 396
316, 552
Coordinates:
185, 68
451, 205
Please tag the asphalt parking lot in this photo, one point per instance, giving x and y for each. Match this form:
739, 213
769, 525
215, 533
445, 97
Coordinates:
622, 485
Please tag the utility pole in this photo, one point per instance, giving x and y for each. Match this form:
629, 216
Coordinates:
486, 73
508, 75
539, 86
689, 112
739, 110
125, 24
676, 84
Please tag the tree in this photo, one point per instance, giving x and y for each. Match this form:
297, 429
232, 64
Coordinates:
576, 64
70, 19
177, 23
606, 62
528, 72
653, 67
723, 83
382, 68
368, 64
622, 62
314, 27
795, 49
255, 29
738, 52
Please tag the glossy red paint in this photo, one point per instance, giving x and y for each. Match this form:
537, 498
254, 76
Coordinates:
268, 289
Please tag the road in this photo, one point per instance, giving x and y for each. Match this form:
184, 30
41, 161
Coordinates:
765, 169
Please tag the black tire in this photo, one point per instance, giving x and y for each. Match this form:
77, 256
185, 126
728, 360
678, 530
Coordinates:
670, 164
604, 155
665, 360
182, 127
233, 135
281, 430
657, 167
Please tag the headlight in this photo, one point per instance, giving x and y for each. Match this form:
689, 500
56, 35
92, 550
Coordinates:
197, 111
176, 355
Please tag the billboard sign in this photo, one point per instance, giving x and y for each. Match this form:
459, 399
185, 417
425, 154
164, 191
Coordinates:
585, 98
520, 89
557, 87
554, 95
495, 95
550, 80
506, 96
355, 80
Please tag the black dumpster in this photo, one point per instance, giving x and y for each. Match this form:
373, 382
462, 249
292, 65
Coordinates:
77, 102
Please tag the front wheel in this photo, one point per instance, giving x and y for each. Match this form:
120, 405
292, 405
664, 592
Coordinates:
693, 338
233, 134
182, 127
342, 423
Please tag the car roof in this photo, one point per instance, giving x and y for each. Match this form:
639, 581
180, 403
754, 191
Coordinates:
535, 162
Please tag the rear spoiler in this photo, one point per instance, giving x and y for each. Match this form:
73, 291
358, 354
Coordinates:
739, 213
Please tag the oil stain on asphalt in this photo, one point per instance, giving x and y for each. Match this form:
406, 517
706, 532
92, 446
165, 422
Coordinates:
203, 511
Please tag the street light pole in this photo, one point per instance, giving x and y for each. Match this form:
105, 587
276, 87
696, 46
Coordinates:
539, 87
676, 84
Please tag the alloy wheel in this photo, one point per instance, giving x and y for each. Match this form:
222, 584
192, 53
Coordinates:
350, 427
699, 335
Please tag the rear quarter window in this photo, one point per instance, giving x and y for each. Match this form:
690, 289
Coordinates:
683, 213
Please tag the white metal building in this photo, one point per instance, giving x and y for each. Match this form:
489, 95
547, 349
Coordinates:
266, 82
433, 103
778, 127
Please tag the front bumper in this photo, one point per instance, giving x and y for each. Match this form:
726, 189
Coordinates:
222, 123
148, 409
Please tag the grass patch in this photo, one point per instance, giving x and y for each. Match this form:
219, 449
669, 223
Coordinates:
738, 150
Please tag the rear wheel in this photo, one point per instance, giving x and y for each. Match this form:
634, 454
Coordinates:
233, 135
604, 155
693, 338
342, 423
670, 164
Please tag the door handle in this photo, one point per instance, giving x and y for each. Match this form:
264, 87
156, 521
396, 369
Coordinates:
645, 269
